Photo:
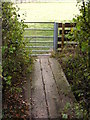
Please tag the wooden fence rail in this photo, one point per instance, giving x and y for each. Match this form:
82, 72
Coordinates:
63, 30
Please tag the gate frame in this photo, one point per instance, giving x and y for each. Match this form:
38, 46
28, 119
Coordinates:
55, 41
50, 29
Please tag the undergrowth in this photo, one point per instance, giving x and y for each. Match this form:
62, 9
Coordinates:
16, 63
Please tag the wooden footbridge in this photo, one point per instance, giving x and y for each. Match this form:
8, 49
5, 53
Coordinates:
48, 91
50, 96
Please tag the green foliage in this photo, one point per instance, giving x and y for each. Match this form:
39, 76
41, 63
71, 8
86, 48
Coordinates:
77, 68
15, 58
79, 77
82, 30
15, 61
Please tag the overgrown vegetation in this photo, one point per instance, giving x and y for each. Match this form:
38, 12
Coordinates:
82, 30
77, 66
15, 63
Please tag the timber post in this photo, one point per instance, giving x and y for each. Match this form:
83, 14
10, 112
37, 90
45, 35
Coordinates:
63, 27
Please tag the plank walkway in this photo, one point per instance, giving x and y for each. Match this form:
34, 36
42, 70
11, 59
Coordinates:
50, 91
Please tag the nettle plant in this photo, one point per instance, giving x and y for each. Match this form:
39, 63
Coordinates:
15, 58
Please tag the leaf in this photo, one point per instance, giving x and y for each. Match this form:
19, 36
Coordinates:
9, 77
84, 46
64, 116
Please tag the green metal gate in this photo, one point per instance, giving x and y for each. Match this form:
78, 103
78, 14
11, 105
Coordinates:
40, 37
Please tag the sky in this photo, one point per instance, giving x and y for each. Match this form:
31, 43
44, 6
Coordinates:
48, 11
53, 10
45, 0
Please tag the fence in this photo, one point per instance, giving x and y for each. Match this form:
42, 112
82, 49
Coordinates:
39, 37
64, 29
44, 37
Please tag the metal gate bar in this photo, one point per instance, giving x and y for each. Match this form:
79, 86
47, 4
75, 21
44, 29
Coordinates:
40, 44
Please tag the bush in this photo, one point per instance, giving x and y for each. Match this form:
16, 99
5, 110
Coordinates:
77, 68
82, 30
14, 57
15, 61
78, 76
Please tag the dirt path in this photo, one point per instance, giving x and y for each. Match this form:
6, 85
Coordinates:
50, 91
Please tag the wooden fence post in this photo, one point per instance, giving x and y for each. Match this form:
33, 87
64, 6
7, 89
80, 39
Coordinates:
63, 27
55, 36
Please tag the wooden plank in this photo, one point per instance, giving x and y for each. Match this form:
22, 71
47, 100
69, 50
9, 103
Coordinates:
60, 78
70, 24
63, 86
52, 95
39, 109
67, 25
